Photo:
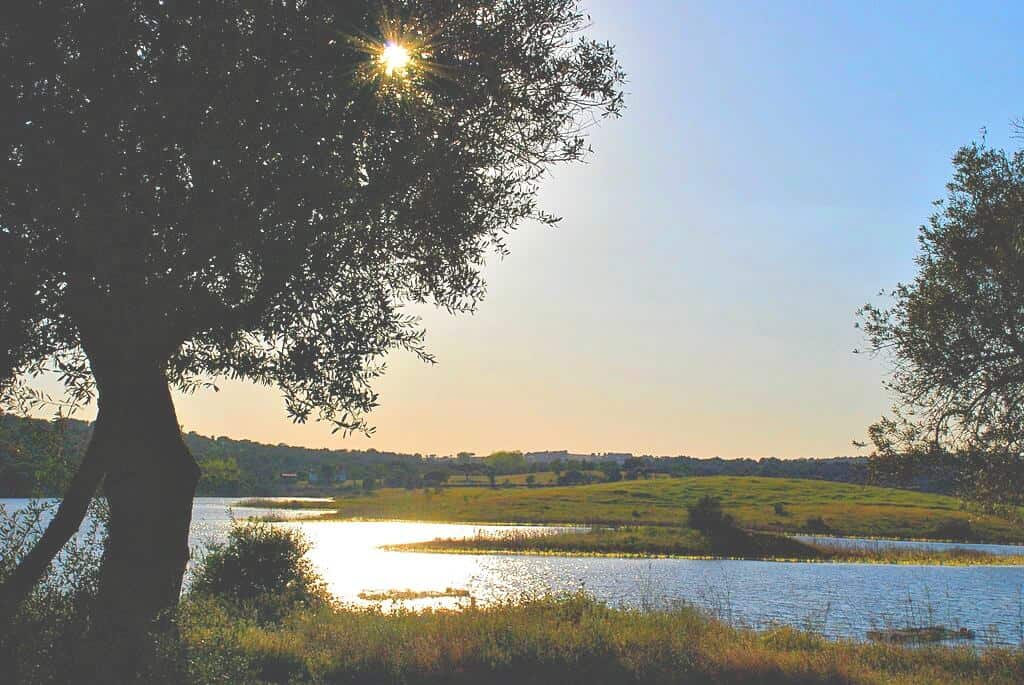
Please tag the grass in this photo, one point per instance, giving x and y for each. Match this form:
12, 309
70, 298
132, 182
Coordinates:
403, 595
664, 541
572, 639
849, 510
643, 541
273, 503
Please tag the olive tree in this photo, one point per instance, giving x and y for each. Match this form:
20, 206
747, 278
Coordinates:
254, 189
955, 336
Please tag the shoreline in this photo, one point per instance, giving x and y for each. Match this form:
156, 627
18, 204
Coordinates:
430, 548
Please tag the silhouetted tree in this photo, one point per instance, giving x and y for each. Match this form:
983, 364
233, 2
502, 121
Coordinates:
465, 464
434, 479
194, 190
612, 472
707, 516
506, 461
955, 336
326, 473
572, 477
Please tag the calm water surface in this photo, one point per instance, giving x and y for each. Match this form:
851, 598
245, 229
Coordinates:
861, 543
839, 600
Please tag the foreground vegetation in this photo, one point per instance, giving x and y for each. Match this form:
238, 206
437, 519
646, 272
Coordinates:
765, 504
665, 541
257, 614
572, 639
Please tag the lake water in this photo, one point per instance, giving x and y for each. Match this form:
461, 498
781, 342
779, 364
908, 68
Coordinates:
861, 543
839, 600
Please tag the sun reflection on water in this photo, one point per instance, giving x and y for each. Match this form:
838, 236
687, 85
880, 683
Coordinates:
351, 560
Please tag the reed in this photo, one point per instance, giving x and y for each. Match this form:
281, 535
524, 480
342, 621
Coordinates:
565, 639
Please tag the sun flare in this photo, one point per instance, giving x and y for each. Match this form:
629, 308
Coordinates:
395, 59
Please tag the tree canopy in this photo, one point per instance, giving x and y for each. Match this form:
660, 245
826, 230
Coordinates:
253, 189
241, 188
955, 336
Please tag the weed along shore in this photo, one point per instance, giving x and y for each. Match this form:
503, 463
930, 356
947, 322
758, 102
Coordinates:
682, 543
653, 518
568, 637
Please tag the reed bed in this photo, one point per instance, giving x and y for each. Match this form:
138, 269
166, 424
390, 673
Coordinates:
663, 541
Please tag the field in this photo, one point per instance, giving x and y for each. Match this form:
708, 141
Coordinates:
570, 639
765, 504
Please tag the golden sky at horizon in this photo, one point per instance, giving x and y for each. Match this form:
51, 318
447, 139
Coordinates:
766, 180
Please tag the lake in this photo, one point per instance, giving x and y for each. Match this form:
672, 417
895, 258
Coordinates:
931, 545
838, 600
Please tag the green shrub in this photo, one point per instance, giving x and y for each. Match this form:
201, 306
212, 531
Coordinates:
954, 529
816, 524
707, 515
44, 639
262, 568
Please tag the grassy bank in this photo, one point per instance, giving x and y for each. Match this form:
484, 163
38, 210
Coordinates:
664, 541
566, 640
767, 504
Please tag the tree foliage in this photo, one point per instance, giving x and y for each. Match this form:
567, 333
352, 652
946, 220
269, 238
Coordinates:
506, 462
955, 336
263, 567
707, 516
236, 189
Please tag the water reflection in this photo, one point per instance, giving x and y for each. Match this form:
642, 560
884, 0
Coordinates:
839, 600
930, 545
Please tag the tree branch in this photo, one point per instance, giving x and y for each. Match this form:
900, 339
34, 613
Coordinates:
65, 523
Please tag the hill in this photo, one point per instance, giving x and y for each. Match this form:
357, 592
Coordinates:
765, 504
37, 455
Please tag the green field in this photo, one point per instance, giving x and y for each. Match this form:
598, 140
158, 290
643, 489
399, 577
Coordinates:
850, 510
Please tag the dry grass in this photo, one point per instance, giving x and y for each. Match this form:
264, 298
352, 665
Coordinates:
404, 595
571, 639
664, 541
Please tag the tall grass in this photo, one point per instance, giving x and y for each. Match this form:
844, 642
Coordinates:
664, 541
565, 639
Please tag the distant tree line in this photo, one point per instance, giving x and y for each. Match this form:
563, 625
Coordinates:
37, 456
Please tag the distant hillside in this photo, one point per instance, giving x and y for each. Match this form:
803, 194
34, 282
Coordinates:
35, 453
36, 456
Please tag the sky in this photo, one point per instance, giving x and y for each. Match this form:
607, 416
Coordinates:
699, 297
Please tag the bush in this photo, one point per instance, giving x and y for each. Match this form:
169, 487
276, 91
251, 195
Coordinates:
44, 639
263, 569
707, 515
780, 509
954, 529
816, 524
572, 477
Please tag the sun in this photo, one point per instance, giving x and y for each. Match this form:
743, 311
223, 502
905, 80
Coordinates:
395, 58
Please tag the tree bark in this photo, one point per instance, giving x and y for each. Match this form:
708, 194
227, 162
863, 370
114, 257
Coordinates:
150, 482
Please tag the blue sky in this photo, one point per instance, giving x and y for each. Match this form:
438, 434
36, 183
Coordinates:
767, 178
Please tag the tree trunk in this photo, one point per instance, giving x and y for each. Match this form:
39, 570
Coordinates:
150, 482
